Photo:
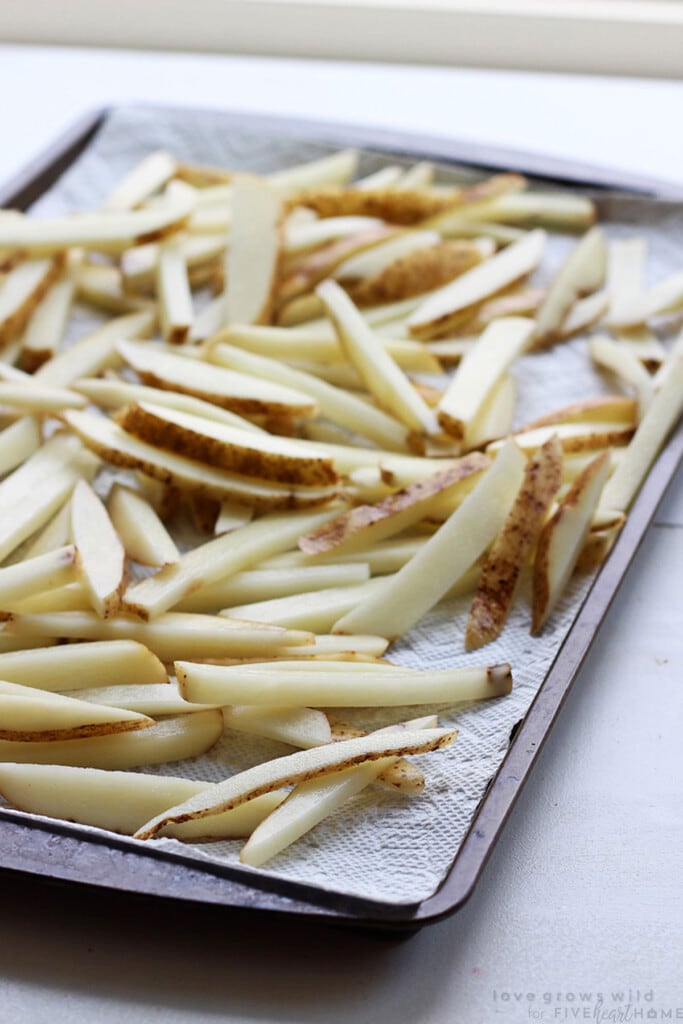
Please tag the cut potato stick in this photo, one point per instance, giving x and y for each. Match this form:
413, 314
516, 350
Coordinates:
72, 597
390, 686
664, 297
563, 538
71, 666
311, 802
122, 449
101, 558
553, 210
96, 351
265, 584
617, 357
451, 224
584, 314
401, 600
420, 175
170, 636
383, 557
661, 416
18, 442
229, 448
22, 289
646, 345
29, 715
602, 409
218, 559
139, 265
316, 611
56, 534
512, 546
385, 177
582, 272
361, 646
32, 396
47, 326
496, 415
578, 436
231, 390
45, 572
625, 272
161, 699
339, 406
367, 264
502, 342
298, 767
294, 299
253, 252
114, 394
439, 311
174, 739
104, 232
364, 525
382, 376
298, 238
300, 727
144, 537
120, 801
148, 177
173, 291
335, 169
231, 517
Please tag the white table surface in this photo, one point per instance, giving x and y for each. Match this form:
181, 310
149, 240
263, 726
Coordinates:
583, 896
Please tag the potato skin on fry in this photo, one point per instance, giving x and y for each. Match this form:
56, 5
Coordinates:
415, 273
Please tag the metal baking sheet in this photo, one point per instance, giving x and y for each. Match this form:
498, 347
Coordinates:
61, 851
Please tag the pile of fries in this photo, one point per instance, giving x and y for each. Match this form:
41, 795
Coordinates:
316, 372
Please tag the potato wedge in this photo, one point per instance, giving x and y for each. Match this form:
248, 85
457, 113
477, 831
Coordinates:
298, 767
563, 537
582, 272
512, 547
45, 572
238, 451
435, 316
101, 558
144, 537
402, 599
253, 251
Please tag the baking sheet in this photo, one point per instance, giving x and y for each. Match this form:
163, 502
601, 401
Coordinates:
383, 847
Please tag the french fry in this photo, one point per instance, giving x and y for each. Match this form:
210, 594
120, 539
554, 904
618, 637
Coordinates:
371, 262
617, 357
315, 611
72, 666
552, 210
146, 178
420, 175
625, 272
18, 442
253, 252
30, 715
582, 273
417, 273
231, 390
47, 326
502, 342
578, 436
446, 306
664, 297
512, 546
496, 415
96, 351
101, 558
56, 534
401, 600
601, 409
383, 557
390, 686
385, 177
584, 314
31, 396
218, 559
144, 537
22, 289
174, 739
300, 727
298, 767
336, 169
229, 448
45, 572
231, 517
265, 584
661, 416
154, 700
563, 537
173, 290
301, 237
358, 646
363, 526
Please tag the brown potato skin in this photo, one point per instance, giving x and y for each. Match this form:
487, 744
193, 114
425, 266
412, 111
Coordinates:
415, 273
13, 325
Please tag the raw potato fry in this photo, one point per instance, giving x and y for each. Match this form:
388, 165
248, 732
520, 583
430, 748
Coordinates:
114, 394
300, 727
563, 538
218, 559
122, 449
616, 356
310, 802
341, 647
420, 175
174, 739
72, 597
660, 418
404, 598
602, 409
385, 177
148, 177
30, 715
45, 572
18, 442
144, 537
229, 448
625, 272
646, 345
386, 687
231, 390
163, 699
582, 273
383, 557
101, 557
502, 342
577, 436
298, 238
170, 636
31, 396
416, 273
253, 252
382, 376
315, 611
496, 415
371, 262
105, 663
139, 265
56, 534
173, 289
585, 313
118, 801
22, 289
363, 526
335, 169
296, 768
557, 211
664, 297
103, 232
294, 302
96, 351
49, 320
264, 584
334, 404
231, 517
439, 311
511, 548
